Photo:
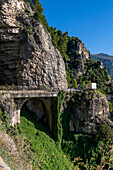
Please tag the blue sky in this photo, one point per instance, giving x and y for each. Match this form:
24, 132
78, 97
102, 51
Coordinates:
90, 20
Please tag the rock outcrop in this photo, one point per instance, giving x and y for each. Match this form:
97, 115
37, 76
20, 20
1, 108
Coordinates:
90, 109
8, 106
13, 153
3, 165
27, 55
10, 45
78, 54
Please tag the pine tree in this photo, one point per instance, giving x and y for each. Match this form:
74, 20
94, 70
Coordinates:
62, 44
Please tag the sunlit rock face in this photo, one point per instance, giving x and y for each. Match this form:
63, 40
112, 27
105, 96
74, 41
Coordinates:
8, 106
90, 110
78, 52
27, 55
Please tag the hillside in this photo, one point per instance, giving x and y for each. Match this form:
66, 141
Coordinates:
107, 61
34, 146
69, 130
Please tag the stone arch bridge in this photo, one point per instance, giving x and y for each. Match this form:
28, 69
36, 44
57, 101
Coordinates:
39, 101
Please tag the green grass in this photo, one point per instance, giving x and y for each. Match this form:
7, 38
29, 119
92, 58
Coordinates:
76, 152
42, 147
38, 149
31, 117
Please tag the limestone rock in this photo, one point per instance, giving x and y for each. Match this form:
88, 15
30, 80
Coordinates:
27, 55
8, 106
78, 54
90, 110
9, 143
75, 44
13, 154
3, 165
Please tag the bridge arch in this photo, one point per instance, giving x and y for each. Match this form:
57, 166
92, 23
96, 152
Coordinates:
39, 106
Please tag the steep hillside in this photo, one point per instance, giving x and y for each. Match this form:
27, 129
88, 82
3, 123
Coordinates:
107, 61
33, 145
34, 55
81, 68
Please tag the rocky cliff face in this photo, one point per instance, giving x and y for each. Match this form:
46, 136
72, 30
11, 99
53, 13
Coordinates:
10, 45
90, 109
27, 55
12, 153
78, 53
8, 106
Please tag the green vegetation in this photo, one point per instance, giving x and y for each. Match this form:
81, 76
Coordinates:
35, 145
43, 150
92, 70
4, 118
59, 39
83, 84
68, 47
43, 87
111, 107
64, 149
96, 74
107, 61
59, 128
75, 83
38, 148
105, 132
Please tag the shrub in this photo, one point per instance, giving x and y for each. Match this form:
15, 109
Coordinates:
105, 132
4, 118
75, 83
83, 84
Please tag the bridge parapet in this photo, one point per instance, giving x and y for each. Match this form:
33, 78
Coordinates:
37, 93
30, 93
12, 102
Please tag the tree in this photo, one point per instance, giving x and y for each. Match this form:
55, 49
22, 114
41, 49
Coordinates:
83, 84
55, 37
75, 83
62, 44
68, 78
89, 82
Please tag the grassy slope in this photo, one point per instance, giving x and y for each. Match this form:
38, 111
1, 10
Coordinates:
42, 147
37, 148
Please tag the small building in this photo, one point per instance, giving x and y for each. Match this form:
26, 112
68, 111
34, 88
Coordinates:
92, 86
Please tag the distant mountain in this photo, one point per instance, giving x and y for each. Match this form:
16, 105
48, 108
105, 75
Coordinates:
106, 59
